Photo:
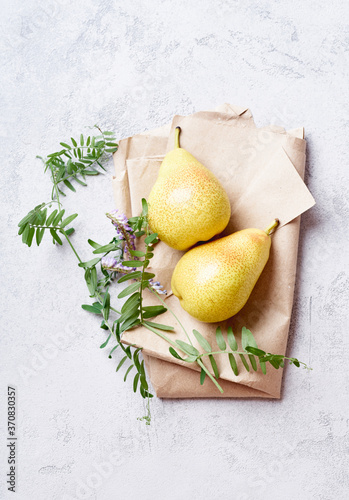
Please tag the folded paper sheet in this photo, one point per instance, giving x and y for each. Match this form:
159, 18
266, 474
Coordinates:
261, 169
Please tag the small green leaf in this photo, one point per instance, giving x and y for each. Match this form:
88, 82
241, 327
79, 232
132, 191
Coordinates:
94, 278
55, 236
144, 382
128, 290
105, 343
39, 235
90, 263
137, 253
22, 229
266, 358
189, 359
148, 276
263, 366
106, 248
25, 233
295, 362
115, 347
25, 219
81, 140
202, 341
65, 145
51, 217
247, 339
152, 311
69, 185
80, 181
128, 352
130, 312
233, 364
58, 218
135, 382
89, 282
175, 354
244, 362
220, 339
93, 243
254, 350
97, 305
133, 263
136, 360
202, 376
91, 309
149, 239
73, 141
231, 339
68, 220
253, 362
274, 363
187, 348
131, 302
144, 207
130, 276
214, 366
159, 326
121, 363
130, 323
106, 305
128, 371
30, 236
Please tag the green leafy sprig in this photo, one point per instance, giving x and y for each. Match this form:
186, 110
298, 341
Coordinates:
79, 159
73, 163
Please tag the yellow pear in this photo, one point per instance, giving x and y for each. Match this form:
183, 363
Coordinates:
187, 203
213, 281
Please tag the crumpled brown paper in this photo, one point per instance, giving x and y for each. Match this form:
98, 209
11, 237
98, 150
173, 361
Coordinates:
262, 170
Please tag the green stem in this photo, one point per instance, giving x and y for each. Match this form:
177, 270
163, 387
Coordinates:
141, 291
173, 314
56, 188
163, 336
245, 353
177, 132
71, 245
272, 226
115, 310
200, 363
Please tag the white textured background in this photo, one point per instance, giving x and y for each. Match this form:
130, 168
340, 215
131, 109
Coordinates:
130, 66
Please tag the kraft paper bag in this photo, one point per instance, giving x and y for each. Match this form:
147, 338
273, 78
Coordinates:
262, 171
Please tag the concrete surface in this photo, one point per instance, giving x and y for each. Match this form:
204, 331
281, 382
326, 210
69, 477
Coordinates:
130, 66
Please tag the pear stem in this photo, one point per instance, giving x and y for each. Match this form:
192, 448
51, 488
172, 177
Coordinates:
177, 132
272, 226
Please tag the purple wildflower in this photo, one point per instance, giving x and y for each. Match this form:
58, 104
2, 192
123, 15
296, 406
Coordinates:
112, 264
123, 229
155, 285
